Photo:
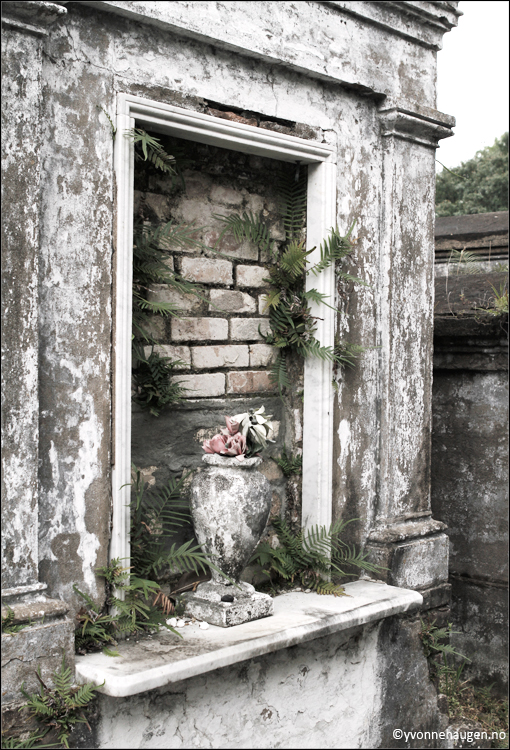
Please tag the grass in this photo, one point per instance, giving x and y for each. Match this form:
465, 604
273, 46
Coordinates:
476, 704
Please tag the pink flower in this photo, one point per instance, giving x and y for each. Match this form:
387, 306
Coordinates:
215, 445
235, 446
232, 427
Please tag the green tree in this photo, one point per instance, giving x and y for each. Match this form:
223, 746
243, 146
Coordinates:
478, 186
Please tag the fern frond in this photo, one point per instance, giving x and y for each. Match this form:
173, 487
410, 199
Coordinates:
152, 150
156, 387
272, 299
345, 353
142, 585
278, 372
87, 598
326, 587
312, 295
245, 226
311, 556
464, 261
293, 259
188, 558
156, 308
84, 695
354, 279
292, 189
289, 464
334, 247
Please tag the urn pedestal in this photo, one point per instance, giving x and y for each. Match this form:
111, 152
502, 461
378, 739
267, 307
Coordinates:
230, 506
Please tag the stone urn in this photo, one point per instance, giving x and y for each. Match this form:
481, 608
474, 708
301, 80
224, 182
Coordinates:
230, 506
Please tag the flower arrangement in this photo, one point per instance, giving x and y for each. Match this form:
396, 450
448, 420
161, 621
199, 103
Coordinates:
244, 436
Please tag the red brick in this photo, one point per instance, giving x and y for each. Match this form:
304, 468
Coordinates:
249, 381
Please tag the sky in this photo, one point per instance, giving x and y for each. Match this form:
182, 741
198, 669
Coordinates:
472, 79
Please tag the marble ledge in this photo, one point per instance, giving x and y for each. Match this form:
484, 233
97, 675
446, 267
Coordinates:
164, 658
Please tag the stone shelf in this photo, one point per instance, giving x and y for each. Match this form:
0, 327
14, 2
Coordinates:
164, 658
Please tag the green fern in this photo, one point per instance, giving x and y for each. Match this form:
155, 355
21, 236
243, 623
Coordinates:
33, 740
463, 261
154, 380
95, 629
292, 324
8, 627
292, 190
62, 706
314, 558
278, 372
346, 353
289, 464
152, 150
335, 247
155, 515
245, 227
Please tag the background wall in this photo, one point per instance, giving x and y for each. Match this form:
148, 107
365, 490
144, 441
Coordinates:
470, 438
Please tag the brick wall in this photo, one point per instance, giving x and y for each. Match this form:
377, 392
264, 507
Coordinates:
225, 362
217, 338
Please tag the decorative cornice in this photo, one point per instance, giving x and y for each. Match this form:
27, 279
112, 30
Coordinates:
238, 29
423, 23
31, 16
425, 127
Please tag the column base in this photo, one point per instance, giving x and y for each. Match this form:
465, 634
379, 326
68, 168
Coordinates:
414, 553
46, 636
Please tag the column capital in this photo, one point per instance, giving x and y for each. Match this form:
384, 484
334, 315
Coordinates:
411, 122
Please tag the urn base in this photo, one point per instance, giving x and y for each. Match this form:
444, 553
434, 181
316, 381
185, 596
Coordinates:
247, 605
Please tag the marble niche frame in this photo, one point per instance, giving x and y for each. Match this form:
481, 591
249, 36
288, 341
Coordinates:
321, 159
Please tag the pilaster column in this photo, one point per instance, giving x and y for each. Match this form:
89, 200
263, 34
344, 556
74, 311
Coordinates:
24, 27
404, 537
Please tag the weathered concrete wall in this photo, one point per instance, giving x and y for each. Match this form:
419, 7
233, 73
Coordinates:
316, 39
350, 689
470, 437
470, 493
